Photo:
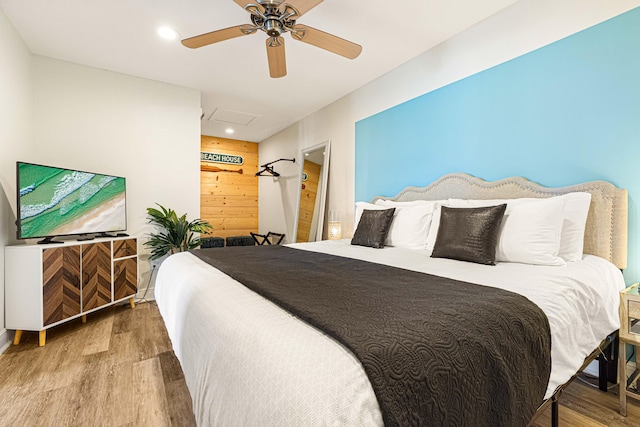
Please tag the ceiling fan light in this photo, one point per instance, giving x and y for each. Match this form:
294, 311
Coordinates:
168, 33
270, 2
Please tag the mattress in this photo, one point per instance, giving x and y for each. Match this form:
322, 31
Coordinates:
248, 362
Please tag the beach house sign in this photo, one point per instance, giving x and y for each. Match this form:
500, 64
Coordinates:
229, 159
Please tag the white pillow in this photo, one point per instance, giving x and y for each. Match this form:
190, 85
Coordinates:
435, 225
576, 209
531, 232
410, 225
394, 203
532, 236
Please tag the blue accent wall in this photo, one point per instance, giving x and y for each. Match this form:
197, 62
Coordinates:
566, 113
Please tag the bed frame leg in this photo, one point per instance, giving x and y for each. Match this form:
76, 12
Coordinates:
554, 410
608, 363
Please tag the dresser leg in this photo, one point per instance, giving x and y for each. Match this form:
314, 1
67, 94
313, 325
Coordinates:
42, 337
84, 318
17, 337
132, 303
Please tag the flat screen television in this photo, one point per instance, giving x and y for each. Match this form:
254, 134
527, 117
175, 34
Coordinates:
62, 202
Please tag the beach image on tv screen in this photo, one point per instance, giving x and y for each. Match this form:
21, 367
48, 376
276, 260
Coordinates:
56, 201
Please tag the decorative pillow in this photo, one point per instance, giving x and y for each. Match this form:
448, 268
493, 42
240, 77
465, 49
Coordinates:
410, 225
373, 228
360, 208
469, 234
574, 214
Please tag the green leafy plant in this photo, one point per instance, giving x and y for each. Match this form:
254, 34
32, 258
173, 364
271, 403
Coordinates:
178, 234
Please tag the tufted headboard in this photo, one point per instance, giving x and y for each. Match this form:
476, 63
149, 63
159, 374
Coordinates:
606, 230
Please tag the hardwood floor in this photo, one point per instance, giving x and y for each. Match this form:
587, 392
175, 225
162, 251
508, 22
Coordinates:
118, 370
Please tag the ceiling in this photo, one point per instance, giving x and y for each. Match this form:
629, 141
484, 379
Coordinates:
233, 76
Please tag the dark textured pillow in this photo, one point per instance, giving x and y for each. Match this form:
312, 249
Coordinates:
469, 234
373, 228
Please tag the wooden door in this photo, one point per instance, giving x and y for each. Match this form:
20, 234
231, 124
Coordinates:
61, 283
96, 275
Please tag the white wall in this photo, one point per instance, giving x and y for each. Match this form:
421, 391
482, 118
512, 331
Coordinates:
278, 197
57, 113
16, 106
106, 122
518, 29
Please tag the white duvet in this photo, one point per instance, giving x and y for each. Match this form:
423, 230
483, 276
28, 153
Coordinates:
247, 362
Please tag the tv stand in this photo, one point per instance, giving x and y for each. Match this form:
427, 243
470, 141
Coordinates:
47, 285
48, 240
104, 234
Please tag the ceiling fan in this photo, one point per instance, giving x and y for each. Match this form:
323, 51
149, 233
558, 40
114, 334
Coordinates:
276, 17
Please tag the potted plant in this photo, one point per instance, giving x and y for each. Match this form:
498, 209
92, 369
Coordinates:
177, 233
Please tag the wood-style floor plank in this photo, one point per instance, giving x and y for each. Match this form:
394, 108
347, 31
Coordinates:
150, 395
118, 370
98, 340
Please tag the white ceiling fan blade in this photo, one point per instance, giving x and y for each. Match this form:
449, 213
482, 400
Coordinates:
276, 56
326, 41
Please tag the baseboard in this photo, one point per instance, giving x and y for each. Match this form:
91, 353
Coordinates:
147, 294
5, 340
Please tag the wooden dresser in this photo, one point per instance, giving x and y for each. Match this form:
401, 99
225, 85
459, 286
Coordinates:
46, 285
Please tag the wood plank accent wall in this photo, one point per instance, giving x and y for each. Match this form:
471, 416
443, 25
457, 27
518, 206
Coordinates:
229, 200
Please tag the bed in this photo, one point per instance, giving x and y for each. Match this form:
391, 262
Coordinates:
247, 361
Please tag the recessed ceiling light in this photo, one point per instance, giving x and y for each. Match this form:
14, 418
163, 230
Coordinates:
229, 130
168, 33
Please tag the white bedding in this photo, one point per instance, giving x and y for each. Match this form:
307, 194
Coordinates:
248, 362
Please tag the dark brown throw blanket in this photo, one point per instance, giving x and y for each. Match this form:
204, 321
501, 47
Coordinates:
437, 351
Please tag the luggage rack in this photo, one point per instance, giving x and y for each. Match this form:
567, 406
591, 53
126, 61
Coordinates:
270, 238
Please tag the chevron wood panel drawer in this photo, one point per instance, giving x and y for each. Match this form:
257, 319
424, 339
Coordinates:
125, 277
61, 283
125, 248
96, 275
47, 285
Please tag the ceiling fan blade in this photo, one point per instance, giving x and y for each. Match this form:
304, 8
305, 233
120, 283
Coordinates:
218, 36
326, 41
243, 3
302, 6
276, 56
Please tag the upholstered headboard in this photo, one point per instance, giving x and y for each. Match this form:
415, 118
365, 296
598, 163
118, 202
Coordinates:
606, 230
